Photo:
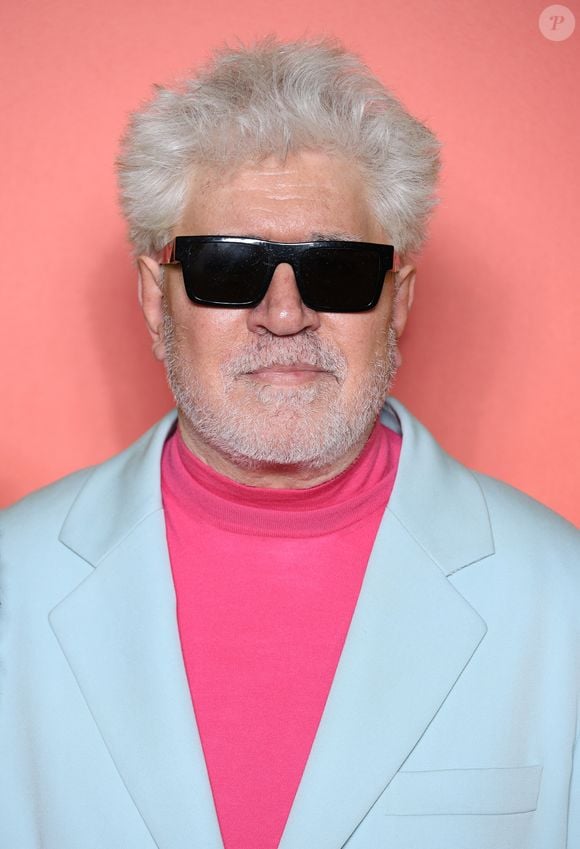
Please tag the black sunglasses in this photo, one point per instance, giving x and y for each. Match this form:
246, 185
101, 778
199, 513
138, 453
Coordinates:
332, 276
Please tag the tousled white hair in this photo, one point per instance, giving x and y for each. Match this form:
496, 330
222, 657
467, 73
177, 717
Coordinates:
277, 98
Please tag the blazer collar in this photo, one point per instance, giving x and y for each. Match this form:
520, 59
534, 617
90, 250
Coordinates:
411, 636
438, 500
117, 496
431, 491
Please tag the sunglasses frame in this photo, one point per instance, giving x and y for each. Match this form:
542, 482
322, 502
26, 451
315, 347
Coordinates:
176, 253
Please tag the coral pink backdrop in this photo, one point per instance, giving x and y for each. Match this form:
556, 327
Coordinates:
491, 353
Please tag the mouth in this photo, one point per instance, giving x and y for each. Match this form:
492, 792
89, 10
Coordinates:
287, 374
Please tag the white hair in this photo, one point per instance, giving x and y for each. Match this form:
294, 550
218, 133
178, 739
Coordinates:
276, 98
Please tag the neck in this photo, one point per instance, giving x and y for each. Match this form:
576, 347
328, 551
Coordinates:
269, 475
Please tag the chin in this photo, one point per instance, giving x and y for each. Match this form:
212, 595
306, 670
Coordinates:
279, 434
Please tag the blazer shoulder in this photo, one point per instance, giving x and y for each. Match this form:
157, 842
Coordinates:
531, 538
43, 509
33, 563
109, 483
511, 510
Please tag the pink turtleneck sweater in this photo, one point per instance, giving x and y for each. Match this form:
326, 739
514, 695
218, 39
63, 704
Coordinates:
266, 583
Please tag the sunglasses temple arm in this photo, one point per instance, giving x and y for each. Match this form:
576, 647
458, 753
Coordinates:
166, 255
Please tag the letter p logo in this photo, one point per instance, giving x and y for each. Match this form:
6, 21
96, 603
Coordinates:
557, 23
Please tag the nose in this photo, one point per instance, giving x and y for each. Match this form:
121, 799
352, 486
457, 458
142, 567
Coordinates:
282, 311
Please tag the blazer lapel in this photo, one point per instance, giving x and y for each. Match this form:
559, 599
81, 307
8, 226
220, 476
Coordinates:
411, 636
119, 633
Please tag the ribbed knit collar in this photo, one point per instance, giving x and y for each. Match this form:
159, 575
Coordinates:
201, 493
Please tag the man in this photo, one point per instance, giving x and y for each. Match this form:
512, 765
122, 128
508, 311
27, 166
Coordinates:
286, 618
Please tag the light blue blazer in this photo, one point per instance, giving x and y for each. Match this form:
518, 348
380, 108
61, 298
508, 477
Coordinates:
452, 722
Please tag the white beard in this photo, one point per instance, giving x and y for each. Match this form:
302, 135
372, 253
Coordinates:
310, 425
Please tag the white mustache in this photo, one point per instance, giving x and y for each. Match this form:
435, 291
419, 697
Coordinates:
277, 351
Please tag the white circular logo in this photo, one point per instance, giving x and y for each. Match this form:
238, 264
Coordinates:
557, 23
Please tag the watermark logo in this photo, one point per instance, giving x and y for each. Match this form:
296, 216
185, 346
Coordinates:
557, 23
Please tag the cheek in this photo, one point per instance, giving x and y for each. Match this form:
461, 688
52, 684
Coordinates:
206, 337
361, 339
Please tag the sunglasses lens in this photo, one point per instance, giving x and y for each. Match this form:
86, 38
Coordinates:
340, 280
227, 273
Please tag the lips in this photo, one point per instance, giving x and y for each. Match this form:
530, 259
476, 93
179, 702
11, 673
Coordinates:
279, 375
285, 368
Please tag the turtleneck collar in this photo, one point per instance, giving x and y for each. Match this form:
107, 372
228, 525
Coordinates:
217, 500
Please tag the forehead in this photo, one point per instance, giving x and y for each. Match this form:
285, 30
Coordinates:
309, 194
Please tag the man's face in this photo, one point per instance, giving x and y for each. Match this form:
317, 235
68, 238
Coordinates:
278, 385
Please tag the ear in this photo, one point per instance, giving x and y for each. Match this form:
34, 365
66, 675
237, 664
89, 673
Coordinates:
151, 299
403, 300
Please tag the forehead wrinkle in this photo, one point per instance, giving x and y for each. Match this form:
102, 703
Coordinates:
277, 194
286, 176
